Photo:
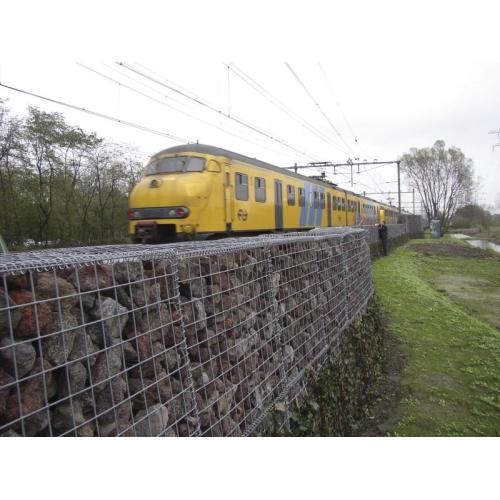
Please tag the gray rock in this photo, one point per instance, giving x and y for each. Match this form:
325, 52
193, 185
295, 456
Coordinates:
113, 316
108, 364
194, 313
83, 349
151, 422
127, 272
108, 398
58, 345
24, 353
50, 286
77, 375
10, 433
67, 416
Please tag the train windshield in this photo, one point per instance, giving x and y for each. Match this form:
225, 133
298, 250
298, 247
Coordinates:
175, 165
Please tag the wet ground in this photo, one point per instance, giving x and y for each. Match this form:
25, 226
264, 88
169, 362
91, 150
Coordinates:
452, 250
483, 244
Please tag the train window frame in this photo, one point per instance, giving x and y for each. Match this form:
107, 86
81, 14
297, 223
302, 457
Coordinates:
260, 189
343, 204
153, 168
315, 201
290, 194
302, 197
322, 200
241, 188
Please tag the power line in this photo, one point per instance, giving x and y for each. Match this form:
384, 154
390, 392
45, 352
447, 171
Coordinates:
341, 110
172, 107
282, 107
218, 111
319, 108
100, 115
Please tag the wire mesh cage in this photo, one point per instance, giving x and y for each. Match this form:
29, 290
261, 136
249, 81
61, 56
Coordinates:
199, 338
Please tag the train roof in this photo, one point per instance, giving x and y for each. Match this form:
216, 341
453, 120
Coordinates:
215, 151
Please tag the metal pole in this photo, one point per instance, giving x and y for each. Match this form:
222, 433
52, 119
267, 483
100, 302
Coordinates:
399, 186
352, 180
413, 201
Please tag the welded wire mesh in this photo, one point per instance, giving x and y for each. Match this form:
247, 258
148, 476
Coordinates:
93, 350
199, 338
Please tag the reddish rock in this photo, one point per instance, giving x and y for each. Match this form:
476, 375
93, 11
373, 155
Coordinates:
8, 320
18, 282
90, 278
32, 399
27, 326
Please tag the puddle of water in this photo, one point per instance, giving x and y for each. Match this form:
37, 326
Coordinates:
485, 245
460, 236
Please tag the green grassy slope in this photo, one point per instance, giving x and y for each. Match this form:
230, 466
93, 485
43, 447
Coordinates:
452, 374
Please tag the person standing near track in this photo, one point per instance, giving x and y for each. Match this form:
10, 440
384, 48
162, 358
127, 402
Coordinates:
383, 234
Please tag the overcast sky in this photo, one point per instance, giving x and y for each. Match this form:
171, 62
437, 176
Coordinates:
403, 97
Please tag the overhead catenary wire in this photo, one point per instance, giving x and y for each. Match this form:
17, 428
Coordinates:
251, 82
201, 120
100, 115
354, 135
301, 83
214, 109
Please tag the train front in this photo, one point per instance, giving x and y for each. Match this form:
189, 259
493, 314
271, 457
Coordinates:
166, 204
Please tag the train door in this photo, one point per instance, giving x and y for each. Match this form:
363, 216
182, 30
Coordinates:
329, 208
278, 203
381, 216
228, 198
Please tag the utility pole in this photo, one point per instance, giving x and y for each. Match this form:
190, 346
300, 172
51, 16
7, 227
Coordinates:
413, 201
399, 186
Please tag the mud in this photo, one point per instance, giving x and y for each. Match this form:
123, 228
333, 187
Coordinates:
451, 250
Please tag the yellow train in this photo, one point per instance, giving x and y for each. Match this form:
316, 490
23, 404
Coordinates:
196, 191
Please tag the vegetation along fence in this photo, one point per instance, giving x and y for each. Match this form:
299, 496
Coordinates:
173, 340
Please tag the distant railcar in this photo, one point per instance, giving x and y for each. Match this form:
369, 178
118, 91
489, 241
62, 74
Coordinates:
196, 191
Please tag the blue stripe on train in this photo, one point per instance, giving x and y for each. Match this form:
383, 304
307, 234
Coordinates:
312, 212
320, 210
303, 211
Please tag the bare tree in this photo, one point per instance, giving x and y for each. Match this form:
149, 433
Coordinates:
443, 178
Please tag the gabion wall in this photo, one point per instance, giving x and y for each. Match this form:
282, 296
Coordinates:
203, 338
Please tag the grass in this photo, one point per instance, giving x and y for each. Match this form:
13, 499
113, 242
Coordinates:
443, 311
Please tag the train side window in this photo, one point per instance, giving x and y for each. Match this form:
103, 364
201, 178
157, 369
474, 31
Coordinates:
290, 194
315, 201
322, 200
302, 198
241, 186
359, 207
343, 204
260, 189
